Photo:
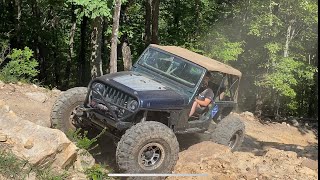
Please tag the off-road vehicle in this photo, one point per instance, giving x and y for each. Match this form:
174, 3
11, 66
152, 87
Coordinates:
144, 108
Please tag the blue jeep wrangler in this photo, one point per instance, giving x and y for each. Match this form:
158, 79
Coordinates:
144, 108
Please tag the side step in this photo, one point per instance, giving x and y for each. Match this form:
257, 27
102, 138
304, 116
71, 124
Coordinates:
191, 130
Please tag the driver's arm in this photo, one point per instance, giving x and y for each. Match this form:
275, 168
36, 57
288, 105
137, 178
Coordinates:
206, 102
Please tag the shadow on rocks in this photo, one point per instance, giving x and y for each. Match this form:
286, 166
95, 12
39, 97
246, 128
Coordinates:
259, 148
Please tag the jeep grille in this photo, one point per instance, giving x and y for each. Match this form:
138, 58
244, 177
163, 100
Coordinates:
116, 99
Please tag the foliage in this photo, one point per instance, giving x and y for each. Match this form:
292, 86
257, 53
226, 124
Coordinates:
220, 48
48, 174
97, 172
91, 9
82, 140
278, 51
22, 67
4, 48
11, 166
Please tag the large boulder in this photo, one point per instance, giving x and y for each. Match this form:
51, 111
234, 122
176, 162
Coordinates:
41, 146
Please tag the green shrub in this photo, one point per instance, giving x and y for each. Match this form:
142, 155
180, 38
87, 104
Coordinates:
48, 174
12, 167
82, 140
21, 67
97, 172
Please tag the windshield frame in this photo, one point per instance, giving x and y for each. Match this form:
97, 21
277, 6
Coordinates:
170, 76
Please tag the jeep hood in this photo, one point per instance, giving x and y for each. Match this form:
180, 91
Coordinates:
151, 93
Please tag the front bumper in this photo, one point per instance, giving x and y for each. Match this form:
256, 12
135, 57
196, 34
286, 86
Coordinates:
107, 106
90, 117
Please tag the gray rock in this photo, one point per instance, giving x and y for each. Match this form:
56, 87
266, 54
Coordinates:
43, 122
247, 113
309, 163
300, 148
3, 137
56, 91
29, 144
37, 96
295, 123
84, 160
31, 176
45, 147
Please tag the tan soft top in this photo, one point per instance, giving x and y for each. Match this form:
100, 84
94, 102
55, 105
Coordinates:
208, 63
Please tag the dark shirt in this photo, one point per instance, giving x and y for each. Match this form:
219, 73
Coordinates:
207, 93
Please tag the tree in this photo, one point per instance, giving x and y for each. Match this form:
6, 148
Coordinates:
155, 21
148, 17
71, 44
114, 39
277, 38
152, 21
95, 10
96, 43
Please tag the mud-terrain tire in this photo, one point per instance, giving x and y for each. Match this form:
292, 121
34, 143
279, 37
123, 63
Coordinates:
147, 147
62, 110
229, 131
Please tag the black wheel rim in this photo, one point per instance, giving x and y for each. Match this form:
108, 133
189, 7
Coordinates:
235, 139
73, 119
151, 156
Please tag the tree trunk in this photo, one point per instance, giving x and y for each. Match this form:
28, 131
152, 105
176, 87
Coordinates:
126, 54
197, 17
277, 105
18, 23
155, 21
71, 43
56, 64
96, 41
313, 94
147, 37
176, 16
126, 51
82, 52
104, 49
286, 47
259, 103
114, 38
37, 41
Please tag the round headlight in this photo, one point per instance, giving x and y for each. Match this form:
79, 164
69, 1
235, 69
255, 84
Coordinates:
133, 105
98, 87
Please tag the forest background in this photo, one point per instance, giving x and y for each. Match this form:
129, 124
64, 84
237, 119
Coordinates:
66, 43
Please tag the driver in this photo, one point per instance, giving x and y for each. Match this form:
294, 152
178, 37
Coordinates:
205, 97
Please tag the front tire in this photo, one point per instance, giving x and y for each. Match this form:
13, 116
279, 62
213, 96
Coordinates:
63, 110
230, 131
147, 147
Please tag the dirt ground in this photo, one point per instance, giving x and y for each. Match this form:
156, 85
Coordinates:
269, 151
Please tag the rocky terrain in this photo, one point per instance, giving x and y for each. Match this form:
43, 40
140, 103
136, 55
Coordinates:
282, 150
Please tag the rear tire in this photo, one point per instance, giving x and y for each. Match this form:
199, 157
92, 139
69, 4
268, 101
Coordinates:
147, 147
62, 113
230, 132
